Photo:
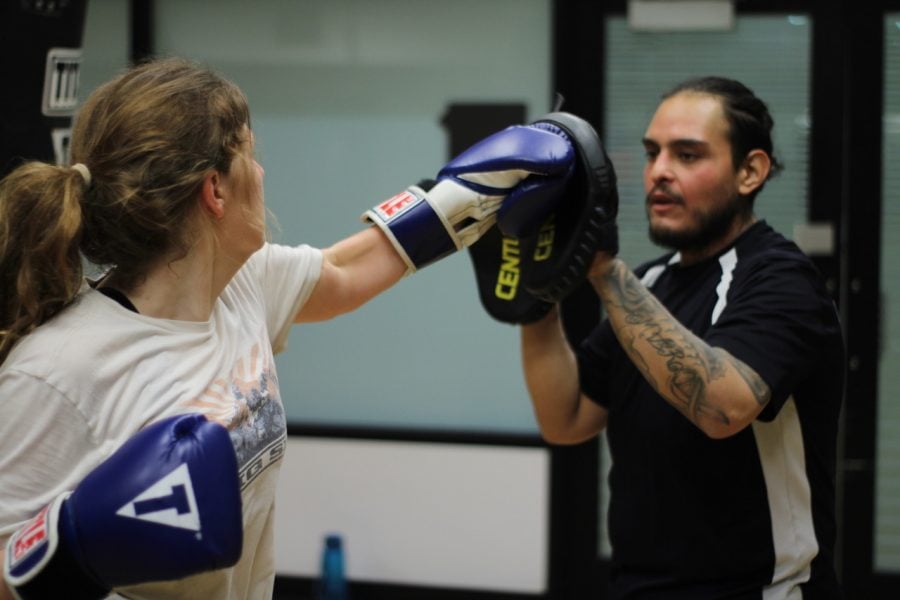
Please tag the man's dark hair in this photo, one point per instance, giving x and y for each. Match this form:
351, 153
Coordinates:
749, 122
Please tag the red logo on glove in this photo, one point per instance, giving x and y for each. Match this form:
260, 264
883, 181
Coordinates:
392, 207
32, 535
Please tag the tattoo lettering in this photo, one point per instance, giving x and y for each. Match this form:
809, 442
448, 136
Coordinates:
689, 365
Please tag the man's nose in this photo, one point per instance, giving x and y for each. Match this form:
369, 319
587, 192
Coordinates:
660, 169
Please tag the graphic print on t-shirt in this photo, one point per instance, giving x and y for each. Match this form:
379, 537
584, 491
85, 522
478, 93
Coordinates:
248, 403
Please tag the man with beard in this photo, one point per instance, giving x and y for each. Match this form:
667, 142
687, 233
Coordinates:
717, 374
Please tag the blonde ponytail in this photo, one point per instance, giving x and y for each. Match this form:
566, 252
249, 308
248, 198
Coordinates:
40, 232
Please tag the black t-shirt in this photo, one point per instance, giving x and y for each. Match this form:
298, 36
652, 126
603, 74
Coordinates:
693, 517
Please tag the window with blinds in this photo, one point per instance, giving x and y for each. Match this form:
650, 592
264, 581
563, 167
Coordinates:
887, 475
768, 53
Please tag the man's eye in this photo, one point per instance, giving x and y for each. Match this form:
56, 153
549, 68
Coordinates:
688, 156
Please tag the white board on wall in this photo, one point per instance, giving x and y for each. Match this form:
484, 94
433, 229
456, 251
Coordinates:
417, 513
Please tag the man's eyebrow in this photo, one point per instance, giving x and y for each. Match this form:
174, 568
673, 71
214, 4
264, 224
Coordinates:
689, 142
681, 142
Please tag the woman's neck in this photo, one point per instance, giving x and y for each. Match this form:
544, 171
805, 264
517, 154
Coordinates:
185, 289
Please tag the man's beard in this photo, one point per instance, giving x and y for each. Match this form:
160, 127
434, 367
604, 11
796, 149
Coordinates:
710, 226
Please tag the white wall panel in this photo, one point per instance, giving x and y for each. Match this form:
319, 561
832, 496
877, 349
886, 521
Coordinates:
417, 513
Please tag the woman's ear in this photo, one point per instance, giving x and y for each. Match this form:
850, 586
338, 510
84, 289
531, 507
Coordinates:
211, 199
754, 171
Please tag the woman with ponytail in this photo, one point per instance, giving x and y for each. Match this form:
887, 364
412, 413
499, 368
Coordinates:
181, 311
165, 200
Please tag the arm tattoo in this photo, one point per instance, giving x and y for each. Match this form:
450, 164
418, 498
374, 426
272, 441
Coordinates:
689, 365
760, 389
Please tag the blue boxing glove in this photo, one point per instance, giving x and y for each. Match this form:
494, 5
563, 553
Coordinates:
166, 505
522, 169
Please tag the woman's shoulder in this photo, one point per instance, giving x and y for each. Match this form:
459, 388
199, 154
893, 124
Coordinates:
70, 340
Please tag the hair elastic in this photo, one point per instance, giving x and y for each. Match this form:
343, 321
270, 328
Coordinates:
84, 172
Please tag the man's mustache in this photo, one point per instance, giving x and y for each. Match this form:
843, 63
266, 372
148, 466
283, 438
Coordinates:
665, 191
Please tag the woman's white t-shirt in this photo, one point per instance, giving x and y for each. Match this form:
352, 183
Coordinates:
77, 387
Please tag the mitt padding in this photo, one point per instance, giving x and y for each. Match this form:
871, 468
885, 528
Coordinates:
556, 259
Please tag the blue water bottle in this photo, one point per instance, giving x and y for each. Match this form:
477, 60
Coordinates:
332, 582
